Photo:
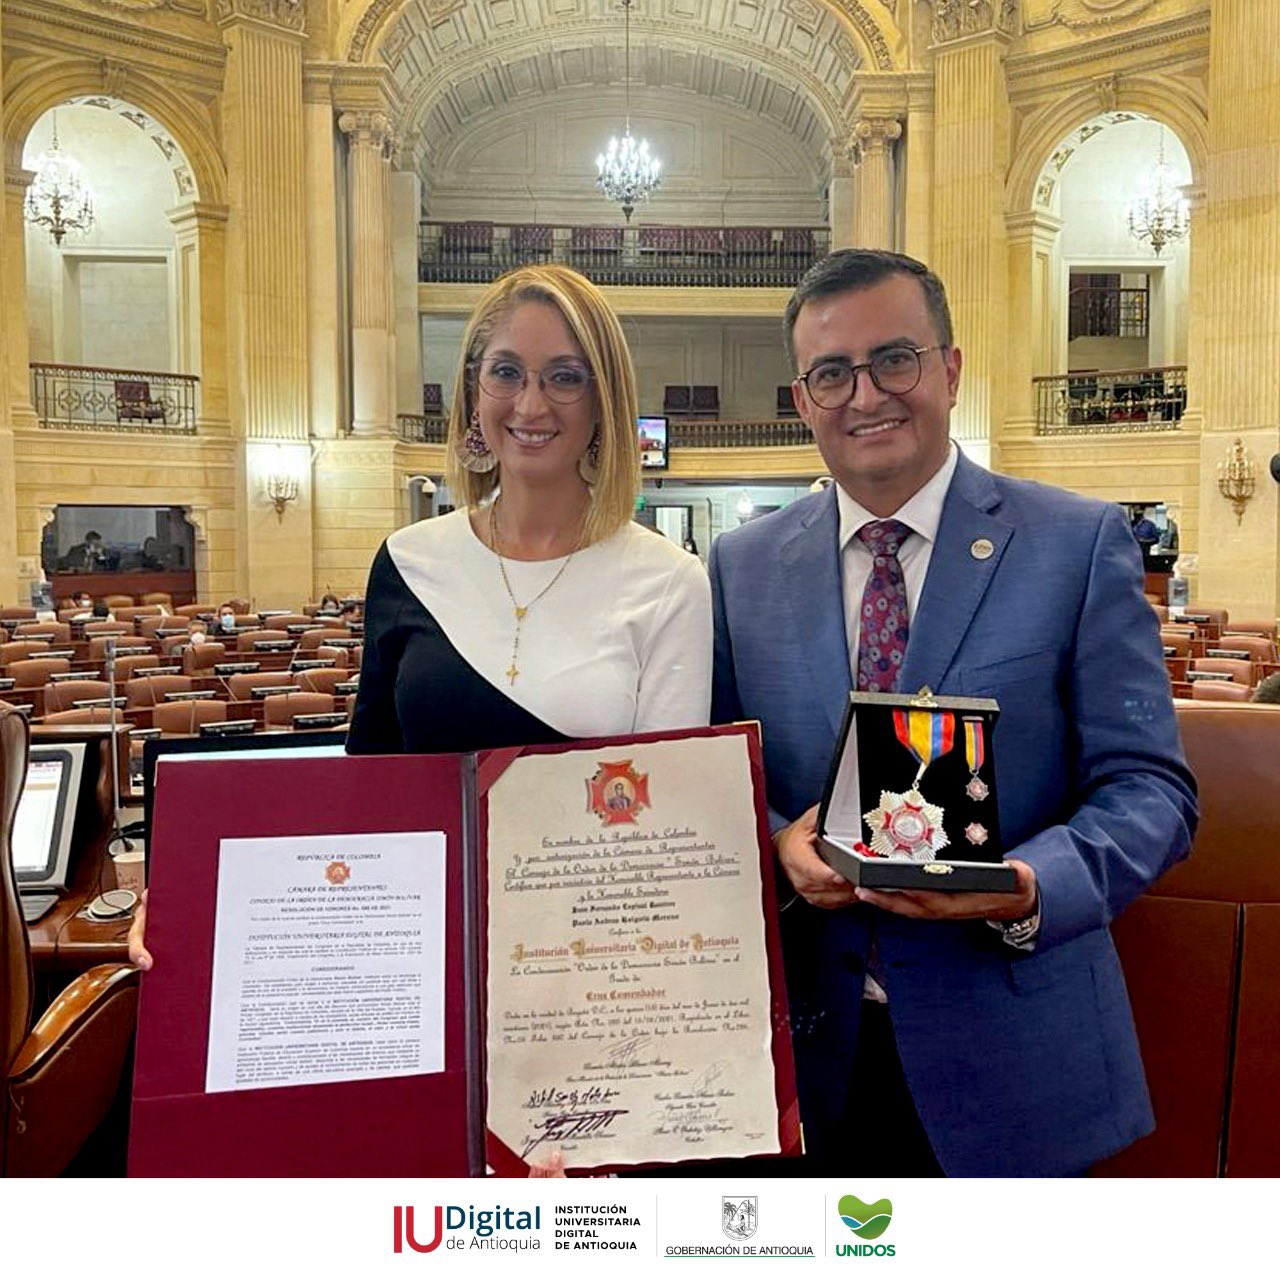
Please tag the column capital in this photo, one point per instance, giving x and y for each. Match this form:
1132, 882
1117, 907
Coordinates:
197, 215
958, 19
1033, 225
16, 181
871, 135
1196, 196
283, 15
373, 129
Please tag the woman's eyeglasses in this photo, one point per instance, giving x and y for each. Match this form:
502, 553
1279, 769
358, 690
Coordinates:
563, 382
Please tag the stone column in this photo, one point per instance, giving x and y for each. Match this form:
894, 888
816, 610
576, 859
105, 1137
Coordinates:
841, 196
406, 206
266, 283
326, 250
18, 354
201, 232
368, 143
8, 474
873, 148
1032, 238
971, 145
1236, 283
915, 159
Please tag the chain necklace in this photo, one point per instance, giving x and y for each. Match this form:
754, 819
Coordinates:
517, 608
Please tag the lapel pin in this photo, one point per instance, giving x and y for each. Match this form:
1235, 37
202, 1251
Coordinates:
982, 549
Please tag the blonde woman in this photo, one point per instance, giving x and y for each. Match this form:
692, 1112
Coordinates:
538, 611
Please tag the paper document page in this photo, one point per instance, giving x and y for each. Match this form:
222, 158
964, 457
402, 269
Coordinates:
328, 959
629, 999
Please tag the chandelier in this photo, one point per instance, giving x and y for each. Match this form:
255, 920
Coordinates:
1159, 213
628, 174
58, 198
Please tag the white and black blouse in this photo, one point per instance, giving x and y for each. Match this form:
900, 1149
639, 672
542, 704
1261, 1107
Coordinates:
620, 644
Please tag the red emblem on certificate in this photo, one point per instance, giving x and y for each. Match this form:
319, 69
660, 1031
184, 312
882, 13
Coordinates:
617, 793
337, 872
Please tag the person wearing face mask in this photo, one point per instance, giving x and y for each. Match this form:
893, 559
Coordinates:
226, 618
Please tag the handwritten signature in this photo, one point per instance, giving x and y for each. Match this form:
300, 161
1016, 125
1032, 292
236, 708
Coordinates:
571, 1124
625, 1050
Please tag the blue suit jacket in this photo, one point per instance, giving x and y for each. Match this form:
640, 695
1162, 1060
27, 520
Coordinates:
1019, 1063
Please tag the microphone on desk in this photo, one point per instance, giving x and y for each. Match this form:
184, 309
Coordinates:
118, 830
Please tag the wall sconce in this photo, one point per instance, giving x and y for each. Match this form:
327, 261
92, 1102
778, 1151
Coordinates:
745, 506
1236, 478
281, 483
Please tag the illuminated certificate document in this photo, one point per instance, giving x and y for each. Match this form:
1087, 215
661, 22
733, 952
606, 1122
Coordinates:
629, 998
328, 960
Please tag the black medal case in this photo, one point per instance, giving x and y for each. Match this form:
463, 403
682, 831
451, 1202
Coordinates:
872, 770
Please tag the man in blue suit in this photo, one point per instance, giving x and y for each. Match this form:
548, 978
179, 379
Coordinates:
958, 1033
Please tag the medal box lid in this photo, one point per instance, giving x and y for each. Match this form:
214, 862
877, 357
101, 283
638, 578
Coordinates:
912, 782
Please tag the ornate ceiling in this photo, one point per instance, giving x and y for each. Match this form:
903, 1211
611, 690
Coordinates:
793, 61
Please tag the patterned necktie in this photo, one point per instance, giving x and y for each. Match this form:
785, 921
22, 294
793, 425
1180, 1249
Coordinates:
882, 620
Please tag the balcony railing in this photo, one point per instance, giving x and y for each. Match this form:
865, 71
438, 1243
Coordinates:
1117, 401
422, 428
738, 256
761, 433
417, 428
79, 397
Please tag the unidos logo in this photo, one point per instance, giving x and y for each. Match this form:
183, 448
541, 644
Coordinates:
865, 1220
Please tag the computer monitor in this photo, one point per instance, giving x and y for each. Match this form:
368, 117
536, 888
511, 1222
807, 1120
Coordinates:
654, 453
46, 816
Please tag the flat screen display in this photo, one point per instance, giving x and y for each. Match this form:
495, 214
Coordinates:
46, 816
653, 443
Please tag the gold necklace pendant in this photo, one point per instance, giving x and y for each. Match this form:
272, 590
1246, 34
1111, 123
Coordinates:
520, 610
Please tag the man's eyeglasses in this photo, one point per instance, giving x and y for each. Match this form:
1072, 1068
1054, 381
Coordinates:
564, 382
894, 370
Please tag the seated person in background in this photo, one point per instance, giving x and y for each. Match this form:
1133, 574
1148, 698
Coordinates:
85, 556
329, 604
101, 613
226, 617
1268, 689
1145, 531
84, 607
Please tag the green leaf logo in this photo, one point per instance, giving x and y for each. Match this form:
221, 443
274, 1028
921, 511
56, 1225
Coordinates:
865, 1220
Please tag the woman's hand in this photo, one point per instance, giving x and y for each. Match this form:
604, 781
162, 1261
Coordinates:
138, 953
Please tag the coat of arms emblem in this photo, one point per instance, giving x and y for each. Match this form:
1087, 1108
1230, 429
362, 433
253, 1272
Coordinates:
617, 793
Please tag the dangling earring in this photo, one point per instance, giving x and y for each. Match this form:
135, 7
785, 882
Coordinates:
589, 463
475, 454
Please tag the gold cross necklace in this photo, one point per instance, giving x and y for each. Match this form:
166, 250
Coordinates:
520, 609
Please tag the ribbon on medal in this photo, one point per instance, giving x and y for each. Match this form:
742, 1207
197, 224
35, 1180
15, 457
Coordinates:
928, 735
975, 754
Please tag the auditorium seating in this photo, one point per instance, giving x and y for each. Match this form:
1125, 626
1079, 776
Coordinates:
175, 719
1201, 950
114, 602
55, 632
78, 715
241, 686
1238, 669
323, 679
279, 708
34, 673
321, 635
1254, 626
1259, 648
19, 650
60, 697
149, 691
1220, 691
1179, 641
61, 1072
202, 657
246, 640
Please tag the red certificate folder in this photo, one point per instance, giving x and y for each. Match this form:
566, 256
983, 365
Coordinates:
419, 1126
414, 1126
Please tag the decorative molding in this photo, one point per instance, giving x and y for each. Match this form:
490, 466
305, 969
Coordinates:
159, 135
956, 19
288, 15
1047, 181
1108, 90
872, 135
115, 76
1082, 15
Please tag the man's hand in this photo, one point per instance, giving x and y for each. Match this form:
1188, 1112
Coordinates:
924, 904
813, 880
138, 953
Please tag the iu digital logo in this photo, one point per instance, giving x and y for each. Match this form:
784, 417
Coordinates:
404, 1230
867, 1221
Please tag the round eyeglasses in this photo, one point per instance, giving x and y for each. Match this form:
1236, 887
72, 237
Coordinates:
831, 384
563, 382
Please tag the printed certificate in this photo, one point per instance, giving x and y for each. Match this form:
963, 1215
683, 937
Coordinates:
629, 998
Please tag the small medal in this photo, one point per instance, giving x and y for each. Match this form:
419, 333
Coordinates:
906, 826
975, 833
975, 754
